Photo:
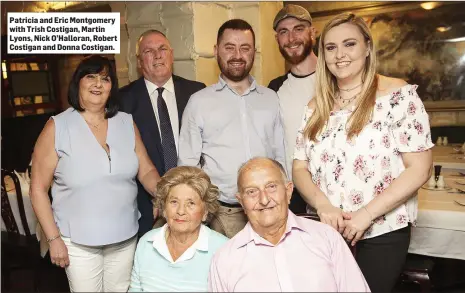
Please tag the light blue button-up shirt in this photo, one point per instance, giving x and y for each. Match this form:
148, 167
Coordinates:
226, 129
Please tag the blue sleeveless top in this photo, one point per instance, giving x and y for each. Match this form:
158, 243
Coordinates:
94, 198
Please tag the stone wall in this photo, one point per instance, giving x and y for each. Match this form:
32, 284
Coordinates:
191, 28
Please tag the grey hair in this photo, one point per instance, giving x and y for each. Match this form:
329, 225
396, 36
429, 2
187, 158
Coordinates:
274, 162
146, 33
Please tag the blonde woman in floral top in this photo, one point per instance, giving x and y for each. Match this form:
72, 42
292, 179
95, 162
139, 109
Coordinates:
363, 151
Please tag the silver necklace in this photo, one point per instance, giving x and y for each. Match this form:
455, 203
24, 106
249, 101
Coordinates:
345, 102
96, 126
351, 89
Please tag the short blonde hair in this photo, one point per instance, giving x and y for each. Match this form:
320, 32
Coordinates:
326, 83
196, 179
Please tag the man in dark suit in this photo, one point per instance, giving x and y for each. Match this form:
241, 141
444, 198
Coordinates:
156, 102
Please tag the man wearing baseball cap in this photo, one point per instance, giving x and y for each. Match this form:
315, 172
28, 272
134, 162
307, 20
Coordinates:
295, 36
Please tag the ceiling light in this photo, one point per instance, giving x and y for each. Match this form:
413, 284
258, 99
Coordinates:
429, 5
443, 28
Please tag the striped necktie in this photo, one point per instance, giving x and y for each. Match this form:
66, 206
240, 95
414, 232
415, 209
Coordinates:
170, 156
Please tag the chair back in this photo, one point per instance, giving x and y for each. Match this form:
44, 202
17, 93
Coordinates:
311, 216
7, 213
6, 203
315, 217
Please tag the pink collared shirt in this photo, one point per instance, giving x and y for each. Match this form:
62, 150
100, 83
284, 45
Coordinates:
311, 256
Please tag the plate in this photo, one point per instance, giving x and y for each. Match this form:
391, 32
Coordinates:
460, 201
435, 188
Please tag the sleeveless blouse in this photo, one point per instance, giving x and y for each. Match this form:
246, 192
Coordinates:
94, 195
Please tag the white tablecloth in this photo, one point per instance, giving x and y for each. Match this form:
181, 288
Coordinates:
440, 229
30, 215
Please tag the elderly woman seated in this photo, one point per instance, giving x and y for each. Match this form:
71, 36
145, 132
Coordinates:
176, 257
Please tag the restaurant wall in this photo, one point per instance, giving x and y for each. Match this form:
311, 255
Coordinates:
192, 28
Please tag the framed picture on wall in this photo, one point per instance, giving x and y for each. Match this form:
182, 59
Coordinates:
422, 43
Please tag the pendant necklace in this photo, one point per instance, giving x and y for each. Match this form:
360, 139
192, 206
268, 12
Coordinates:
343, 103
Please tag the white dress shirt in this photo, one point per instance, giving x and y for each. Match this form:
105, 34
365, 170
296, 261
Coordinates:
159, 243
170, 100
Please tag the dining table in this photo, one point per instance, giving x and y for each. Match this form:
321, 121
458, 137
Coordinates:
439, 230
450, 157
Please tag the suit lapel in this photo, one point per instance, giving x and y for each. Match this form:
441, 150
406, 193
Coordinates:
148, 116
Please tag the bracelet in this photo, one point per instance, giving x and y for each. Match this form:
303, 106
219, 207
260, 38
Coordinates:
371, 217
53, 238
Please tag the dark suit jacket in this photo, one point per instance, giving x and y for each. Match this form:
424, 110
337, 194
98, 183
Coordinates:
135, 100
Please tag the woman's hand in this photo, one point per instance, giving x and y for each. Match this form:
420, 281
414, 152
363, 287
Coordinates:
59, 253
357, 225
333, 216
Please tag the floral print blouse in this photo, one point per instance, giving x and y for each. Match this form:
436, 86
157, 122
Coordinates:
352, 173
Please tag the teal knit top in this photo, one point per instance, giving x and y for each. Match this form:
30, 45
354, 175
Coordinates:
155, 271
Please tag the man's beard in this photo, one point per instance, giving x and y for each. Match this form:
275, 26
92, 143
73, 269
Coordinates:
234, 74
296, 59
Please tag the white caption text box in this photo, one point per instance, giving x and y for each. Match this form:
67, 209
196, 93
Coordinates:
63, 33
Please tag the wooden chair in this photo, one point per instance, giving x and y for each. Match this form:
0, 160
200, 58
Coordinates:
19, 252
417, 269
315, 217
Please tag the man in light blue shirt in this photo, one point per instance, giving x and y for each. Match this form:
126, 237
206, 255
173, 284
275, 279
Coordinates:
230, 122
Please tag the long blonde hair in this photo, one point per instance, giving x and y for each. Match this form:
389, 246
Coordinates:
326, 84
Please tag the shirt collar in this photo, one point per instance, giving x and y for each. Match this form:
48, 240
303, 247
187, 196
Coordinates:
159, 241
151, 87
221, 84
248, 234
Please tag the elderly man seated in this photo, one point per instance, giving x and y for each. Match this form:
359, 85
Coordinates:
278, 251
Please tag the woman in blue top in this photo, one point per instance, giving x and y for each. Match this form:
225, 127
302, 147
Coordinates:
176, 257
92, 153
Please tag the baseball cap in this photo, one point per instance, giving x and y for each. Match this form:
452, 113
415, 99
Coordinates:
291, 10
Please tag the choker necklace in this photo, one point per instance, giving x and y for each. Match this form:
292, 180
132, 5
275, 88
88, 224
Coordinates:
351, 89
